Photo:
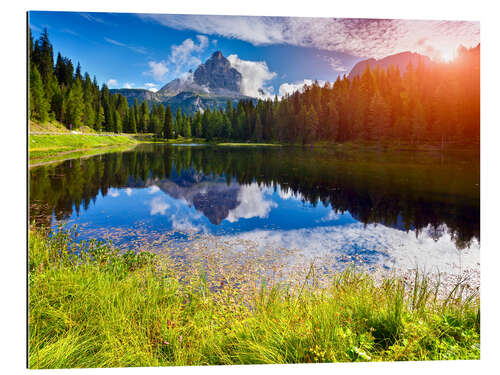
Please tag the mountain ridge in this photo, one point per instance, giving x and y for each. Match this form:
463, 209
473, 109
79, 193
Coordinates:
400, 60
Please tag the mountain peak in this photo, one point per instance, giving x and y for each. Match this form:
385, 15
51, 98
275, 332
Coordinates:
217, 74
217, 55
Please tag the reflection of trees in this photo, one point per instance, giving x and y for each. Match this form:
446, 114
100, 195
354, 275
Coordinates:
404, 190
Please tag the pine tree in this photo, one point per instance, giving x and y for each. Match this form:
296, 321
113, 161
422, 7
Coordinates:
257, 135
168, 131
99, 119
187, 128
118, 122
78, 72
38, 104
378, 118
143, 117
132, 123
89, 115
76, 106
44, 56
178, 123
198, 130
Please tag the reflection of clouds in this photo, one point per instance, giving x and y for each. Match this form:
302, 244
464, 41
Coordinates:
153, 189
375, 244
332, 216
158, 206
128, 191
251, 204
288, 194
113, 193
185, 224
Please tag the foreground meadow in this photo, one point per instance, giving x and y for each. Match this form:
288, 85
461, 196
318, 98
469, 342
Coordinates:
90, 306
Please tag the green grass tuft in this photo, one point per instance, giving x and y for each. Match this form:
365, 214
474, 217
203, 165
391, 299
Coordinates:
90, 306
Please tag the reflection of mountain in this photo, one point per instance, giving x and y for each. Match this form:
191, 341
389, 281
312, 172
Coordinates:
209, 195
213, 197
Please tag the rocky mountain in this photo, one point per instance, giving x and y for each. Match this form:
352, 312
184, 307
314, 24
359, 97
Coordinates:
209, 86
401, 60
218, 75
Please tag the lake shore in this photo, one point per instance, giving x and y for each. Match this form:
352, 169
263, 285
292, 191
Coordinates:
94, 307
53, 142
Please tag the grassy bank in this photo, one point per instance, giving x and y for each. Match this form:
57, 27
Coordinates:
92, 307
52, 147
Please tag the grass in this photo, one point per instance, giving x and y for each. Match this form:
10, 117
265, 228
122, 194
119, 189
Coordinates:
52, 147
90, 306
56, 127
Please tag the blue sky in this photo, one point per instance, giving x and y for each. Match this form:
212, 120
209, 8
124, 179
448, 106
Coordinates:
275, 54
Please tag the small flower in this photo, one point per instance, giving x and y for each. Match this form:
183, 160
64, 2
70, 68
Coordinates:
180, 338
165, 343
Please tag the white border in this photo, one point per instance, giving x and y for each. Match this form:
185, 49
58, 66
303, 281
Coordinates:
13, 315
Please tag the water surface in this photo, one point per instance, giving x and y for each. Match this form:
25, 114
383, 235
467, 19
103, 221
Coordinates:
389, 209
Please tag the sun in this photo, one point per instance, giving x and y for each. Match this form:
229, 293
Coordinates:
447, 54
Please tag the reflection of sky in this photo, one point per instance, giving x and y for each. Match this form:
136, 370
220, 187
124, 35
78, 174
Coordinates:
276, 218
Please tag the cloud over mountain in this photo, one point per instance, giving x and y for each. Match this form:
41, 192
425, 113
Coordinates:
254, 76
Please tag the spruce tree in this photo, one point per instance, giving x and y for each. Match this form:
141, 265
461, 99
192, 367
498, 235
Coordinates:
75, 109
132, 123
99, 119
38, 104
168, 131
257, 135
178, 123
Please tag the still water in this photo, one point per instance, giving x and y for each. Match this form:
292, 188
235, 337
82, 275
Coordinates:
388, 209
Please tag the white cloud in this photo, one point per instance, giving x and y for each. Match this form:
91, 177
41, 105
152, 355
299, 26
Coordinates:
157, 69
158, 206
359, 37
128, 85
153, 189
151, 86
332, 216
91, 17
113, 193
120, 44
251, 204
186, 54
71, 32
336, 63
184, 224
386, 247
254, 74
112, 83
290, 88
112, 41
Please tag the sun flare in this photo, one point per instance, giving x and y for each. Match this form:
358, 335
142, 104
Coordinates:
447, 53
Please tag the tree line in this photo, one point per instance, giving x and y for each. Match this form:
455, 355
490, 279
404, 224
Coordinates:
429, 103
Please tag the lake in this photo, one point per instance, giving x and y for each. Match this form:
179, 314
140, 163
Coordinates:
390, 210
